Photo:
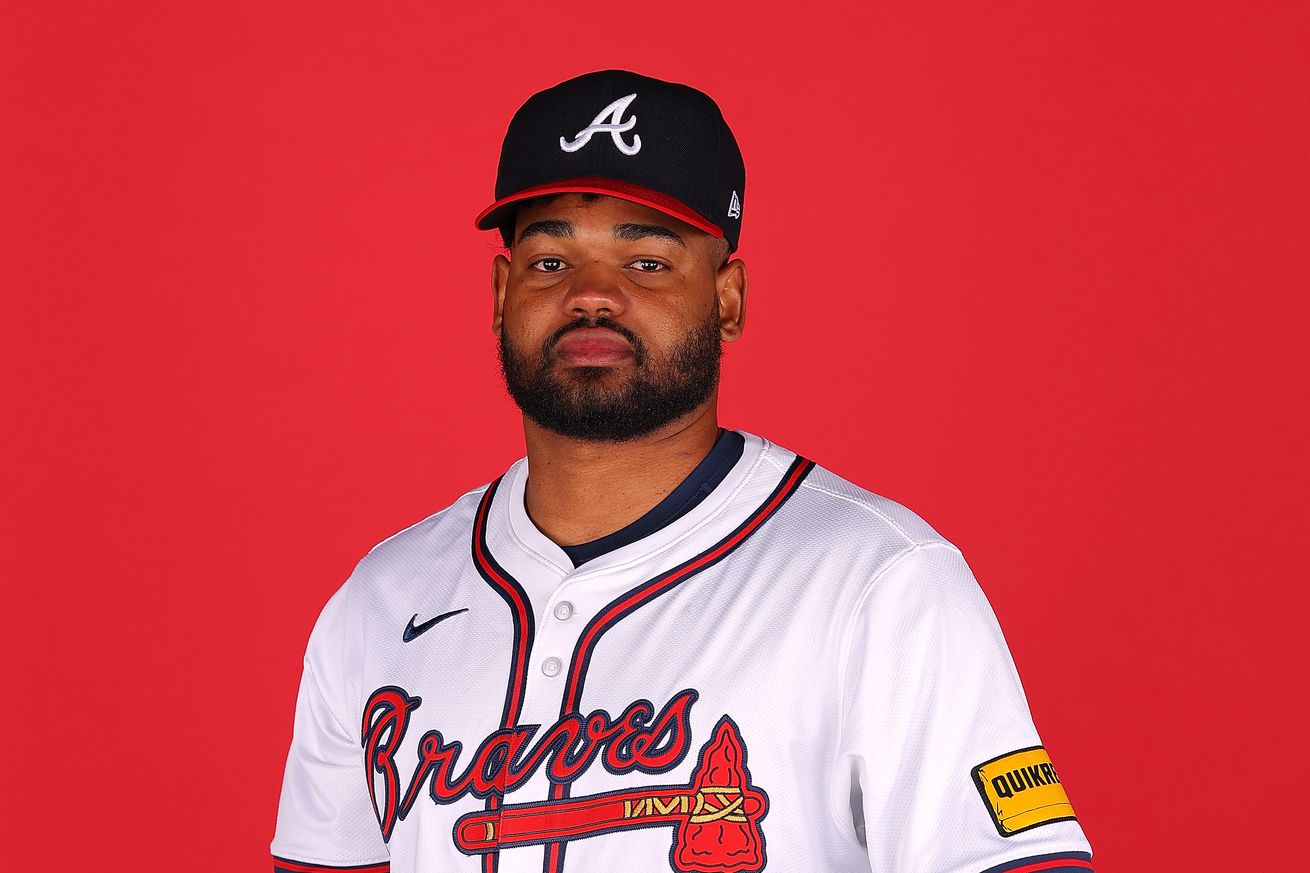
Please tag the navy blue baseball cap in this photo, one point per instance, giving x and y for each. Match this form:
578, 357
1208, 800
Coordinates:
625, 135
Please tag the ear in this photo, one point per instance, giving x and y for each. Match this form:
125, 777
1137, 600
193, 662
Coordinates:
730, 283
499, 281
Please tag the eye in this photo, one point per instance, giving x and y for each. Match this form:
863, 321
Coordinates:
648, 265
548, 265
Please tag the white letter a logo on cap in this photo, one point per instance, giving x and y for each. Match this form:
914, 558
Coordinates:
615, 127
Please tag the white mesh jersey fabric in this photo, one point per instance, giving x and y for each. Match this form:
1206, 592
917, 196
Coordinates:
836, 670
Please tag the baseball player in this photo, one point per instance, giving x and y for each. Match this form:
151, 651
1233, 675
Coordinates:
655, 644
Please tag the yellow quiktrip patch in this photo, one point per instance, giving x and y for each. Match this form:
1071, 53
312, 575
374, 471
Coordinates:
1022, 790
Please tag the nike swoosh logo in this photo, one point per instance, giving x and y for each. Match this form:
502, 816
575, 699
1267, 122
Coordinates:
414, 630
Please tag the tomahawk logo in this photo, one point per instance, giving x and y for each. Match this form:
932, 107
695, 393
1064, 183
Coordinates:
615, 127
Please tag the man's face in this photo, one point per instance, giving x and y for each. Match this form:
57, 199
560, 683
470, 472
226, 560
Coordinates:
611, 316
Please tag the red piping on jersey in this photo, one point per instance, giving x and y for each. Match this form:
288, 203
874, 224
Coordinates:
298, 867
647, 592
1054, 864
516, 598
514, 595
657, 586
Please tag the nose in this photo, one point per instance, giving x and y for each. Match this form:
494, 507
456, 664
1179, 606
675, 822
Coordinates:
596, 290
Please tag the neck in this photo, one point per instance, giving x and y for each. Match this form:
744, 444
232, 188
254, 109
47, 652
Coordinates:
578, 491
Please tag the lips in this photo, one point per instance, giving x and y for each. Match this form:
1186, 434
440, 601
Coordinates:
593, 347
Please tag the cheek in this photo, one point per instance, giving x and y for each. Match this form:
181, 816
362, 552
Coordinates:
525, 325
687, 313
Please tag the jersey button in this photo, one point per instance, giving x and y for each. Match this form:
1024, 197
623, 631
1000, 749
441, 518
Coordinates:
563, 610
552, 666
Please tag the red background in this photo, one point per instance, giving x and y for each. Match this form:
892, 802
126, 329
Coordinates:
1036, 270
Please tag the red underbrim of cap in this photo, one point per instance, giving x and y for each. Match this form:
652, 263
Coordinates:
492, 216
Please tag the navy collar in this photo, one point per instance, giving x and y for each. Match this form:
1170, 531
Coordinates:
696, 487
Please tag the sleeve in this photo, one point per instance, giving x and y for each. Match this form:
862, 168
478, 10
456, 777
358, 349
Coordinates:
325, 818
939, 767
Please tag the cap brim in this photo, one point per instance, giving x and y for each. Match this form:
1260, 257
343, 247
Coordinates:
495, 214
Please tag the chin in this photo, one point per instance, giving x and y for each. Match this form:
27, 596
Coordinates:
592, 374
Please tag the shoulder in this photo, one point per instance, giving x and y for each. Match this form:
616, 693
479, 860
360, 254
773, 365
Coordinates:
438, 544
851, 509
834, 509
843, 537
428, 553
433, 551
444, 531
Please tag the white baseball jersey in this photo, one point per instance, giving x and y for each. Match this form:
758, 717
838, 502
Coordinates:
795, 676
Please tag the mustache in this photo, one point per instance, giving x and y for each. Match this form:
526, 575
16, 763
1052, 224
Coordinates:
638, 347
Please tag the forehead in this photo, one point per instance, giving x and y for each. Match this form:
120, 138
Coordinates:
599, 212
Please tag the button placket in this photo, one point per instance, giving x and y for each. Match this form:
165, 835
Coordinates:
556, 634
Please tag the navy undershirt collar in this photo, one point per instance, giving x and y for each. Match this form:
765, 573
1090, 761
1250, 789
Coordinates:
696, 487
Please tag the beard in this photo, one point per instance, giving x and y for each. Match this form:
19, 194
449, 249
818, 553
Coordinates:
594, 404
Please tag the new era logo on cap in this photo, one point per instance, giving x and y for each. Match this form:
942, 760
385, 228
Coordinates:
582, 136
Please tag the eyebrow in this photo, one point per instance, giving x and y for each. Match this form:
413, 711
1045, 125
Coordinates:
634, 232
548, 227
559, 229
